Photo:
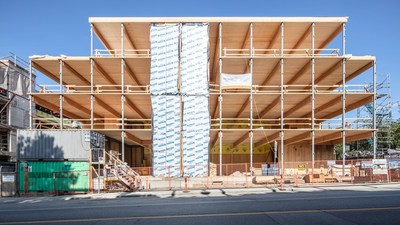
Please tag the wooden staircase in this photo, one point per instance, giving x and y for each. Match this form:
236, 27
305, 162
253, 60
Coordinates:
122, 176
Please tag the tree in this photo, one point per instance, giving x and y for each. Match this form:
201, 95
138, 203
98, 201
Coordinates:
395, 130
338, 151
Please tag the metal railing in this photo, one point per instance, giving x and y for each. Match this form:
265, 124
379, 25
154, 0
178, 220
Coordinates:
139, 53
232, 52
50, 122
98, 123
290, 123
18, 61
79, 89
295, 89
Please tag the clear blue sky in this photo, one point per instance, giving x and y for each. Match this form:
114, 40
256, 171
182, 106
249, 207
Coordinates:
61, 27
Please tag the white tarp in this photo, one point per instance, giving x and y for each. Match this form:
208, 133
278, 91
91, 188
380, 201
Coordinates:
164, 44
236, 80
166, 105
12, 79
164, 40
194, 59
196, 135
166, 135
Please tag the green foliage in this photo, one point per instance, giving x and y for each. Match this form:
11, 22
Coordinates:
395, 130
338, 151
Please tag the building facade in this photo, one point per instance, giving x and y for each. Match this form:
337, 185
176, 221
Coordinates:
14, 104
261, 82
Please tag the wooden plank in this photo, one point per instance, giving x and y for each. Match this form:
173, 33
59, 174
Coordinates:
324, 106
243, 107
215, 139
350, 107
103, 73
131, 74
359, 71
272, 73
134, 139
78, 75
302, 38
299, 73
276, 34
216, 110
269, 107
353, 138
328, 72
78, 106
328, 137
329, 39
240, 140
101, 38
46, 72
296, 77
55, 108
107, 107
147, 142
320, 78
298, 138
244, 45
268, 139
129, 38
354, 74
298, 106
135, 108
246, 39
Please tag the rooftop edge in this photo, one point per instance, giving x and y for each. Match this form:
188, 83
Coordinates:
214, 19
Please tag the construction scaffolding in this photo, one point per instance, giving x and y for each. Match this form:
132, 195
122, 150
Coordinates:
288, 87
384, 118
14, 103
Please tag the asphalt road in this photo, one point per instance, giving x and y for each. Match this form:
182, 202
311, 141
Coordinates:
326, 207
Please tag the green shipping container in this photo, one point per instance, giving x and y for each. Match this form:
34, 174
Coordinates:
55, 176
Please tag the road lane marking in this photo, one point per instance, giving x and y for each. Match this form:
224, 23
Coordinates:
291, 198
202, 215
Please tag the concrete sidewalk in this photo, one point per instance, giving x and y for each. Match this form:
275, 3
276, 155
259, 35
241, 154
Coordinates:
252, 191
204, 193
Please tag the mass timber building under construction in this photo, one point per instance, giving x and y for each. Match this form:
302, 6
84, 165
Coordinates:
184, 93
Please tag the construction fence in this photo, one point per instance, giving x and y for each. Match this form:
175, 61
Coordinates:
295, 174
239, 175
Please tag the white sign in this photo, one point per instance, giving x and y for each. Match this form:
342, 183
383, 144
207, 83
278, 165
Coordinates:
380, 166
8, 178
236, 80
331, 162
367, 165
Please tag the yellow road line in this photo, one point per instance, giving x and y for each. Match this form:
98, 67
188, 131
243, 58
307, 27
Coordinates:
201, 215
